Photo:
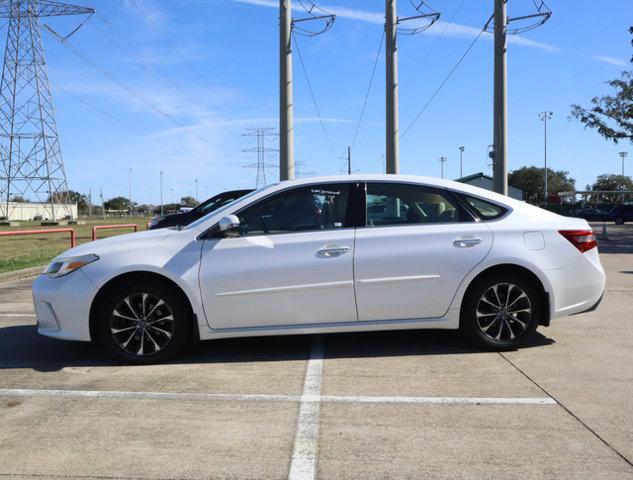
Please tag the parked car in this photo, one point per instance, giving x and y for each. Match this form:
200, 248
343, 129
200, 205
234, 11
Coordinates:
590, 214
303, 257
621, 213
187, 215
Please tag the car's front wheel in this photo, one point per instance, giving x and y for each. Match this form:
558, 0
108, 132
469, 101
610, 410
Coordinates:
619, 221
501, 311
143, 322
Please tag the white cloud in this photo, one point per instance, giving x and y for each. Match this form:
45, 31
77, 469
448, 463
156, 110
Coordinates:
620, 62
454, 30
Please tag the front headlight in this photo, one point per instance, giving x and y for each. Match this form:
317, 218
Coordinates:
63, 266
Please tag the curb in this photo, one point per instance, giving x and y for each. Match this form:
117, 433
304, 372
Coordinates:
19, 274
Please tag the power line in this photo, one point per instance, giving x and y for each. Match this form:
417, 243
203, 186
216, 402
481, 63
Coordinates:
316, 106
430, 50
448, 76
142, 99
371, 80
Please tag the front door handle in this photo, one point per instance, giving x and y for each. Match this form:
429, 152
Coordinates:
466, 242
330, 251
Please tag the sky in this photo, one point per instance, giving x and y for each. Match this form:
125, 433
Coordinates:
172, 86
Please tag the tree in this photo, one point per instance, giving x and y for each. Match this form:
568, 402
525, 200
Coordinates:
188, 202
20, 199
610, 182
531, 180
80, 199
117, 203
611, 115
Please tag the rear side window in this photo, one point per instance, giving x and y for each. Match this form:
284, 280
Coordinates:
404, 204
485, 210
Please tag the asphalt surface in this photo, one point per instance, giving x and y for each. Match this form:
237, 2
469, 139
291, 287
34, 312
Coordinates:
412, 405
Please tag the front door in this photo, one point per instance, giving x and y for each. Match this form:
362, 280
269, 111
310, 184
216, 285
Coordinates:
292, 263
416, 248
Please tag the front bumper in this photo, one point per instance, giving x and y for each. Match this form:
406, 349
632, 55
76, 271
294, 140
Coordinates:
62, 305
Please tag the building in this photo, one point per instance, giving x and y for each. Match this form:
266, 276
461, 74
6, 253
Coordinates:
24, 211
485, 181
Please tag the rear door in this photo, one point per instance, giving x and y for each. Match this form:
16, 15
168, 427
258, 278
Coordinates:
417, 246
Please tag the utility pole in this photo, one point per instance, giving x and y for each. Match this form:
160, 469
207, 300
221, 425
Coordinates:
161, 192
172, 195
349, 160
103, 214
90, 204
442, 160
393, 134
500, 143
461, 161
623, 156
196, 182
545, 116
286, 120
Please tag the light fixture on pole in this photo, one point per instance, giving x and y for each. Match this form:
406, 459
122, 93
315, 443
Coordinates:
623, 156
442, 160
545, 116
461, 161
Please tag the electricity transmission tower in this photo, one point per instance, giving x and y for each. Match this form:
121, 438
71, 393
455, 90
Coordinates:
31, 163
501, 25
262, 135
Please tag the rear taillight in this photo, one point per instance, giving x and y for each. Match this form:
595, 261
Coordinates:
583, 240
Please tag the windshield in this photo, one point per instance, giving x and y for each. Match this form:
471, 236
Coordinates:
218, 201
223, 207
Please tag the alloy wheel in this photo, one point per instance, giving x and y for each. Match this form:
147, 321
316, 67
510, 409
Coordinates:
503, 312
142, 324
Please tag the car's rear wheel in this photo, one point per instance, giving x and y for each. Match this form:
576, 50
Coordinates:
143, 322
501, 311
619, 221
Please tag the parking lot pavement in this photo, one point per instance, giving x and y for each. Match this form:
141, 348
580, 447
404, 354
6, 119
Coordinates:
369, 405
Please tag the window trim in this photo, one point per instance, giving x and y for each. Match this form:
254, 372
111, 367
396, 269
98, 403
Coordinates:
213, 231
451, 196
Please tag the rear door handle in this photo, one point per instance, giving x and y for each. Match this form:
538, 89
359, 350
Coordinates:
466, 242
329, 251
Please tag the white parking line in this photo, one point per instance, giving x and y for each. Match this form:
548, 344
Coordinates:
246, 397
304, 451
17, 314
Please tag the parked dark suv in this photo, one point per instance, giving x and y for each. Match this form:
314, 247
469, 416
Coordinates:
621, 214
185, 218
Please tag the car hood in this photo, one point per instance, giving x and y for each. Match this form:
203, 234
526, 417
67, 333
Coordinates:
139, 240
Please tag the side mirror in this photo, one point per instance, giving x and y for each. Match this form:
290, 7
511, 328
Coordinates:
229, 222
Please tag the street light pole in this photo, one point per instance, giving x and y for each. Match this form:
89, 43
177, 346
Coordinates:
461, 162
161, 192
623, 156
545, 116
130, 190
392, 154
442, 160
196, 189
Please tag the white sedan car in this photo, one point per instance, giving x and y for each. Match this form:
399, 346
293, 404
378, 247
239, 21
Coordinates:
330, 254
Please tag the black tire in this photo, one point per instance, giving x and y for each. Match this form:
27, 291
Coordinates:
165, 325
619, 221
477, 314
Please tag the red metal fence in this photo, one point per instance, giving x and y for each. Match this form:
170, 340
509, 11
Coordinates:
112, 227
73, 235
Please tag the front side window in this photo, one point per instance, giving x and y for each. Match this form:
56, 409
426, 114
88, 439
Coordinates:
314, 207
403, 204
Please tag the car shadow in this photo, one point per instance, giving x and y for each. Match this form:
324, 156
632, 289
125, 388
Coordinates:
22, 347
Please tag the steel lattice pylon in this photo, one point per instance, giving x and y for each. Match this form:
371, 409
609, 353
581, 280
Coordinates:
31, 164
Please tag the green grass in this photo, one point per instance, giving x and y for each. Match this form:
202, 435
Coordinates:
37, 250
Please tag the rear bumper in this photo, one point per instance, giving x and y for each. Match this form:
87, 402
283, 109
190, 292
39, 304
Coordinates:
577, 288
